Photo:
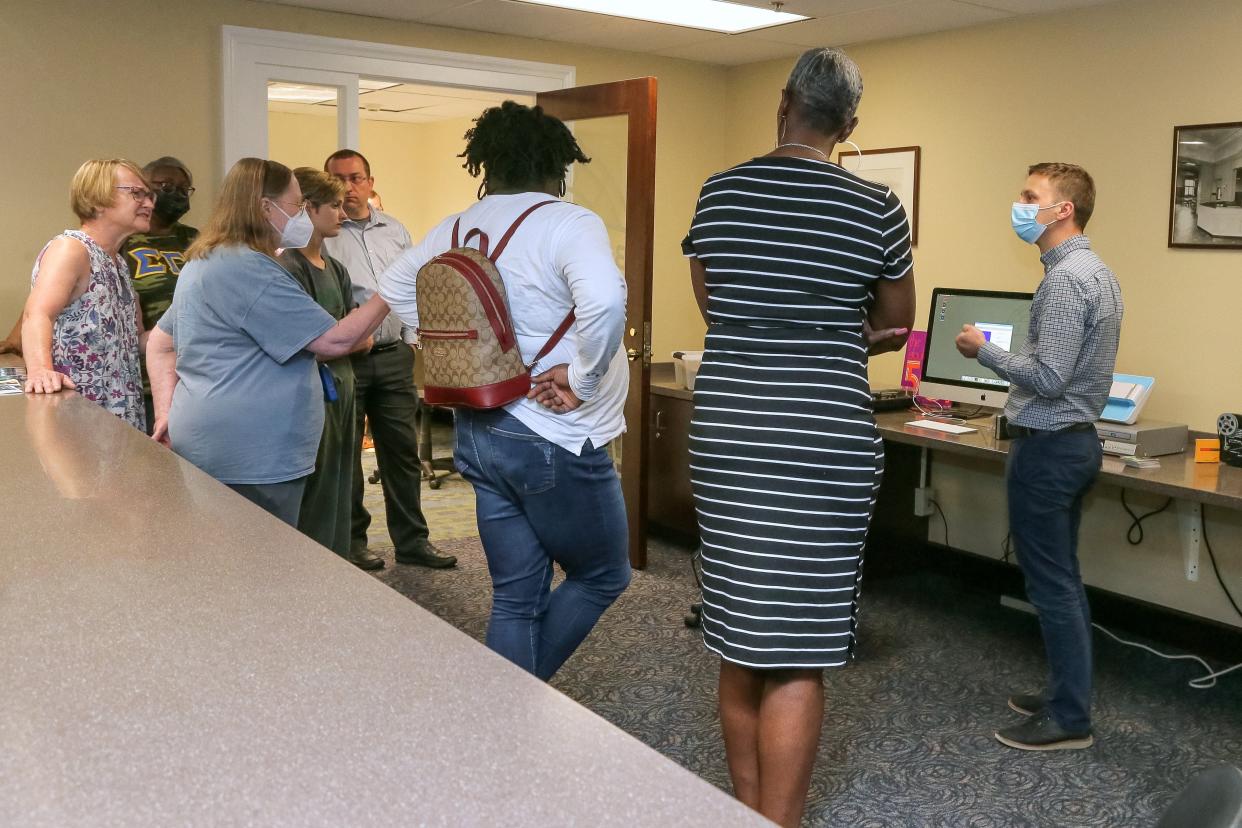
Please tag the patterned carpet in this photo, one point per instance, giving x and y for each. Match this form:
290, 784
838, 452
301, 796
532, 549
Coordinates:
907, 732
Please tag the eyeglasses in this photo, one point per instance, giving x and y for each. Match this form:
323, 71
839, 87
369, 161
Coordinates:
297, 205
140, 194
355, 178
168, 187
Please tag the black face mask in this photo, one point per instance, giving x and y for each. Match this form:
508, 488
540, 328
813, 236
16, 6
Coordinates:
171, 206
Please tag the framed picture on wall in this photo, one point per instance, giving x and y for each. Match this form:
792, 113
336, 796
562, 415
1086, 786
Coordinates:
1205, 205
897, 169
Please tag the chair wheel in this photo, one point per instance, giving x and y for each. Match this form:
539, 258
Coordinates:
434, 483
374, 478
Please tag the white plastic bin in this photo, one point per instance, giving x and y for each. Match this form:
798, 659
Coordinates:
686, 367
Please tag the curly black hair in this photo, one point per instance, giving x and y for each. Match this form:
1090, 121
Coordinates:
517, 144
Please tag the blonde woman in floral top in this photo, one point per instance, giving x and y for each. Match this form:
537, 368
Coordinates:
82, 328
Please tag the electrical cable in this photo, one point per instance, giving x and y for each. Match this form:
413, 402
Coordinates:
1203, 682
1208, 680
1006, 547
1136, 524
1212, 557
943, 520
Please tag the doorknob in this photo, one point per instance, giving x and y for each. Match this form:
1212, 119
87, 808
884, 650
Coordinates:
632, 354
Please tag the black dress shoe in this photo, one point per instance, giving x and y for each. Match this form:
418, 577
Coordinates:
365, 559
1041, 732
1027, 705
425, 554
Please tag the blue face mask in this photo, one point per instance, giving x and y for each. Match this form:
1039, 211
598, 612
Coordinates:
1025, 223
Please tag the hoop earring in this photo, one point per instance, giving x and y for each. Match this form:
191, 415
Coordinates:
562, 193
482, 191
780, 135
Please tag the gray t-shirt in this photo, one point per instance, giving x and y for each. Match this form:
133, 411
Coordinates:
249, 404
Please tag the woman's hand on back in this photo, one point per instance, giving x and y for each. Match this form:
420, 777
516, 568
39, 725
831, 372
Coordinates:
551, 390
883, 340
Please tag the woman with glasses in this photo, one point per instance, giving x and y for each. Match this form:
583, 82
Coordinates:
232, 362
155, 258
81, 327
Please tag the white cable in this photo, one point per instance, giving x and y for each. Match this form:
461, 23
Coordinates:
938, 414
1204, 682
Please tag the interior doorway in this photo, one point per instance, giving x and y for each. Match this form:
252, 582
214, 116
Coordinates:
410, 133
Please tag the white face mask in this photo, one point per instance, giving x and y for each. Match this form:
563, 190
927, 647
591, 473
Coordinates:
298, 229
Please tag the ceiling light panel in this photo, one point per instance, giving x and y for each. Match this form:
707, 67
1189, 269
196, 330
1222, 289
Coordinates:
299, 93
712, 15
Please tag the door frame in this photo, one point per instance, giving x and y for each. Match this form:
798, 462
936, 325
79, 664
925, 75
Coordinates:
636, 99
251, 57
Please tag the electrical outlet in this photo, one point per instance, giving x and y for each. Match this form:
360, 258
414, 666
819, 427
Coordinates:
923, 498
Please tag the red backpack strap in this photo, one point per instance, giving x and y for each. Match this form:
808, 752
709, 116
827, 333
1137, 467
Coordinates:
482, 240
456, 227
504, 240
556, 337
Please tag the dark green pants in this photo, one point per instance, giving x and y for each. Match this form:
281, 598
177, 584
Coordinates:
386, 395
325, 515
278, 499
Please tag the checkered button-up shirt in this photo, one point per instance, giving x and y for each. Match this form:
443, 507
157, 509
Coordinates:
1062, 373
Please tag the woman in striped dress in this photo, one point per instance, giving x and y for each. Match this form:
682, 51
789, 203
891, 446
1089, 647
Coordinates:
801, 269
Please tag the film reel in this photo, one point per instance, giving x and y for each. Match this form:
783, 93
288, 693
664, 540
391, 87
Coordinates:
1229, 430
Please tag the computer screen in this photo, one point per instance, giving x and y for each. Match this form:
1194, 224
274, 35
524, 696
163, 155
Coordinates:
1003, 317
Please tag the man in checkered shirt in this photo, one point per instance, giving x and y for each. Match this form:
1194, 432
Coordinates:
1059, 383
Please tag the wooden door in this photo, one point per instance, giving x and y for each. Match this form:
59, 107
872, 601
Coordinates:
635, 102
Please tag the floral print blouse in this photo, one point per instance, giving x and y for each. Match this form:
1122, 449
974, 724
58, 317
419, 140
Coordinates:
95, 338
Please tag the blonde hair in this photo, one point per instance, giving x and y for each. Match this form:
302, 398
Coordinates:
238, 217
319, 188
94, 185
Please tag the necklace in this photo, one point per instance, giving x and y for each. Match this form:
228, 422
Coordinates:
805, 146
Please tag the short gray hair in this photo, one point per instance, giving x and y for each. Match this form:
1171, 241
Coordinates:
169, 162
828, 87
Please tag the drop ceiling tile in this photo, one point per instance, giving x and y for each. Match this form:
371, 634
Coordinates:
460, 93
733, 50
391, 9
631, 35
822, 8
901, 20
1038, 6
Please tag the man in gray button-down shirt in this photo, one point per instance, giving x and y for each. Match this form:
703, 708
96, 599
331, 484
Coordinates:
1059, 381
384, 378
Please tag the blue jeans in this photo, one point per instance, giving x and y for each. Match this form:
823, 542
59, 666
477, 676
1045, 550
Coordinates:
537, 504
1047, 476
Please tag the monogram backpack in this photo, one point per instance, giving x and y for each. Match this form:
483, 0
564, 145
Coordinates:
470, 351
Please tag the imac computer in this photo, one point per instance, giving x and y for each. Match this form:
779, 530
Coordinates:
1003, 318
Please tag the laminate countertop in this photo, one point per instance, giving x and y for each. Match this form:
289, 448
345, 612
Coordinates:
174, 655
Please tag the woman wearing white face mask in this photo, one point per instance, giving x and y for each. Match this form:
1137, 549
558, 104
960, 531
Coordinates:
232, 361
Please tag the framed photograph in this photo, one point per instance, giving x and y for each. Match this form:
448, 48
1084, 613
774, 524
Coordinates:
1205, 205
897, 169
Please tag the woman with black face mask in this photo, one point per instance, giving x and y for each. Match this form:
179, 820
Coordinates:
155, 258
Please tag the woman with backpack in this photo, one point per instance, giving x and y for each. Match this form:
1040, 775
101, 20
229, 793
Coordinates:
545, 487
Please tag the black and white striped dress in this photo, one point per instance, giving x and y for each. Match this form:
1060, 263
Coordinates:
785, 457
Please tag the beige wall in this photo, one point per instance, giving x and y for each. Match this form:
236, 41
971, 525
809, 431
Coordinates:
297, 140
110, 83
1102, 87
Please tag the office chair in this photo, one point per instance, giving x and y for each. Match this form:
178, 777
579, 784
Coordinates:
1213, 799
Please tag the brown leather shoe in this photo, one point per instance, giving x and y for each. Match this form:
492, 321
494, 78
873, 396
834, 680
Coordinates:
365, 559
425, 554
